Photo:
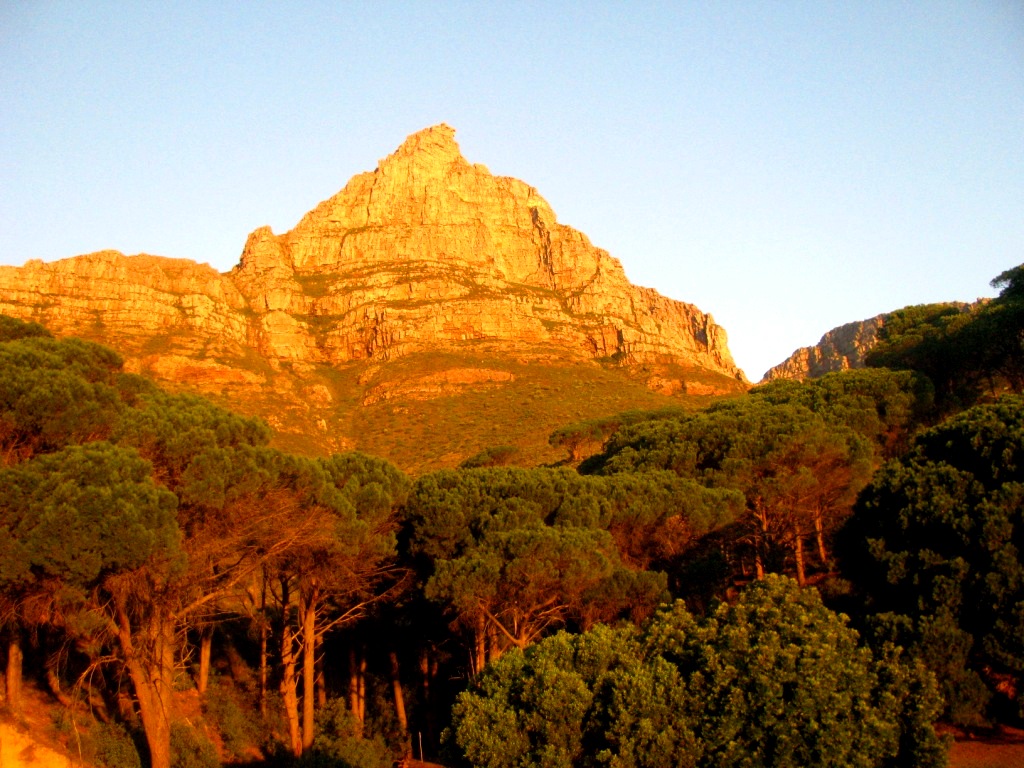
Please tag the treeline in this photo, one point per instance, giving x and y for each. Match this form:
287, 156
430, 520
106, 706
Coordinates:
153, 545
143, 528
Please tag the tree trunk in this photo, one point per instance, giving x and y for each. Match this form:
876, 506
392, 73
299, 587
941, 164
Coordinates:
205, 648
353, 686
14, 672
361, 714
288, 680
479, 645
819, 536
357, 685
321, 678
151, 669
263, 647
396, 687
307, 610
494, 644
798, 553
425, 686
760, 541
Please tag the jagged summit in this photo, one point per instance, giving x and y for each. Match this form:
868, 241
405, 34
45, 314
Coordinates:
437, 141
429, 250
424, 202
426, 254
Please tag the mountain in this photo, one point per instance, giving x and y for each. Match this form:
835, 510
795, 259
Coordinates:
426, 280
848, 345
838, 350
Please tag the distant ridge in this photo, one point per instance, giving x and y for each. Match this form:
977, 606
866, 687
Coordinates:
840, 349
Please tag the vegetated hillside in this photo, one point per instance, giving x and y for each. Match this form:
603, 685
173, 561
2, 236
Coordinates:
969, 352
426, 258
883, 339
414, 596
432, 410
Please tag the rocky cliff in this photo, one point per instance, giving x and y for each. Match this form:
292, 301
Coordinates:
426, 254
839, 349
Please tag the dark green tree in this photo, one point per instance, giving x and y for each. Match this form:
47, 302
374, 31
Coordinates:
495, 456
52, 394
798, 472
879, 404
518, 553
924, 338
74, 523
576, 700
55, 393
783, 681
12, 329
997, 335
777, 679
935, 548
969, 352
317, 535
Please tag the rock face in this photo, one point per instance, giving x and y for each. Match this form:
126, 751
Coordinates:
429, 251
839, 349
426, 253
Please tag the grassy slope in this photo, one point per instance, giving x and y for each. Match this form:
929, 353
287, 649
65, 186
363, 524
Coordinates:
420, 435
424, 435
318, 410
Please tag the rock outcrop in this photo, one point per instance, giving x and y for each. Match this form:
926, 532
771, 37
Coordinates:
838, 350
428, 253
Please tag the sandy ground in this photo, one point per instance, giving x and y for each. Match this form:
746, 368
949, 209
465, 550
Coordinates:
1001, 750
19, 750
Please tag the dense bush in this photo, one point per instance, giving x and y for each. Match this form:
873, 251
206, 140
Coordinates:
776, 679
190, 748
340, 744
110, 745
935, 546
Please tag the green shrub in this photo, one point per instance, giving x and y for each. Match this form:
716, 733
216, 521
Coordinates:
110, 745
338, 742
774, 680
237, 726
190, 748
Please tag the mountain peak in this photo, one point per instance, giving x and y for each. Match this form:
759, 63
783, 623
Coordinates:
440, 135
427, 257
430, 149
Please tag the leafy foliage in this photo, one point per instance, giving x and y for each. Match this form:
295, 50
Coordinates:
881, 405
925, 338
191, 748
798, 472
683, 694
132, 514
968, 352
110, 745
55, 393
234, 721
495, 456
935, 546
339, 743
83, 512
525, 551
12, 330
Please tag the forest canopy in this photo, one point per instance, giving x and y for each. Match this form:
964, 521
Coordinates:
813, 573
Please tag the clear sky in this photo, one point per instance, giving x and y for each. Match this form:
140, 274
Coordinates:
786, 166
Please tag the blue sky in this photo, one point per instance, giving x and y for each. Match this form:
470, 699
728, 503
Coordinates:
786, 166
